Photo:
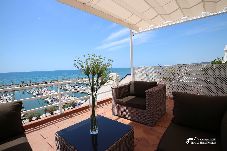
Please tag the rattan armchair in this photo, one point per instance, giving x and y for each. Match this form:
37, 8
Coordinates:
140, 101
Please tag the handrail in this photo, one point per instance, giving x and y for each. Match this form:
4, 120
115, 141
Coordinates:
53, 94
59, 102
34, 125
56, 104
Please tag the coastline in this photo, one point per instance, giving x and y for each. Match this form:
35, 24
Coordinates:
40, 76
35, 81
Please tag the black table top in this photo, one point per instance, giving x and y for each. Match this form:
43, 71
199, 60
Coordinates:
78, 135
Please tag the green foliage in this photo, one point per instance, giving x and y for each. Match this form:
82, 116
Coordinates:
66, 105
32, 114
218, 61
51, 109
95, 68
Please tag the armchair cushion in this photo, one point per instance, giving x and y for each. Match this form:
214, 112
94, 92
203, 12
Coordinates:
135, 102
198, 111
138, 88
123, 101
224, 132
10, 119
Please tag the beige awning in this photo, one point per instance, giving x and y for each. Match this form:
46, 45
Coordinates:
143, 15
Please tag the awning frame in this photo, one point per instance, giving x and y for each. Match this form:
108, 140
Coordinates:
85, 6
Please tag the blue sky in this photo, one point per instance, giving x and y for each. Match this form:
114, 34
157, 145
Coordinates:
41, 35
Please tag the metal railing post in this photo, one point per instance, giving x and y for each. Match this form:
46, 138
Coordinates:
60, 100
131, 56
4, 99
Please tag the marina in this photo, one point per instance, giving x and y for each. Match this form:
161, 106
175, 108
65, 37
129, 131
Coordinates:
69, 89
53, 96
44, 99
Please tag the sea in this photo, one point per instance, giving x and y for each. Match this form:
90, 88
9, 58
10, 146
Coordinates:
41, 76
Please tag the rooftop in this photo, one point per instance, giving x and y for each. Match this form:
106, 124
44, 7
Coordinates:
42, 137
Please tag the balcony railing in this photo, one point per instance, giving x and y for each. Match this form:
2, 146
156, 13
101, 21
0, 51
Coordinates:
202, 79
59, 102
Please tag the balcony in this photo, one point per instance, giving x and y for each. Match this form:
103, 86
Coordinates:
197, 79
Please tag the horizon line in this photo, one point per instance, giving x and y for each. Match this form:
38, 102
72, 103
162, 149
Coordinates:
53, 70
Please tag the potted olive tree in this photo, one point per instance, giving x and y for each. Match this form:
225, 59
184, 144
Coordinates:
96, 69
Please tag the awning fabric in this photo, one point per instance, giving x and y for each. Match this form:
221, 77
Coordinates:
143, 15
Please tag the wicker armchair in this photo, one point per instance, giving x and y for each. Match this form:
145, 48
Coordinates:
140, 101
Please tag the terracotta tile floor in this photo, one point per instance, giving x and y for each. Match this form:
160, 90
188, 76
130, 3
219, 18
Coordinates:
146, 138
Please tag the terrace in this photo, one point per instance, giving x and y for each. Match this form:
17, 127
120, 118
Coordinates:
42, 137
41, 133
196, 79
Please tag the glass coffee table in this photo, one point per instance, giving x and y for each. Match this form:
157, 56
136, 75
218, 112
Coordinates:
112, 136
